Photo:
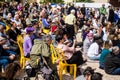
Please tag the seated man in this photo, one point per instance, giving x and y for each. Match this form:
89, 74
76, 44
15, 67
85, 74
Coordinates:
41, 47
112, 62
5, 56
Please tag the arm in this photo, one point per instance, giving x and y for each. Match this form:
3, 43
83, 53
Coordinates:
96, 50
29, 42
85, 47
4, 57
70, 49
45, 23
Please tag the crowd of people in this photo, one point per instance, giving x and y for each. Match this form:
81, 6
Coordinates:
42, 25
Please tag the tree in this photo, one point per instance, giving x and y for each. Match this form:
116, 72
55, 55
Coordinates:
84, 1
52, 1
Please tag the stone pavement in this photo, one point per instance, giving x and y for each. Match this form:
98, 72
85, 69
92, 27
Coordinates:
95, 65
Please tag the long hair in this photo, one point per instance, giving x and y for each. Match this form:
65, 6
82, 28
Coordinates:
11, 70
106, 45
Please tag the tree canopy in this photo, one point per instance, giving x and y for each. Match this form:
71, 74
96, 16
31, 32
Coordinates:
84, 1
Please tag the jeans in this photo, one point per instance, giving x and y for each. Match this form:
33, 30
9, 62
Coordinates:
4, 62
11, 52
101, 65
116, 71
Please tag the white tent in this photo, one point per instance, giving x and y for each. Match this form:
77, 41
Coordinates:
92, 5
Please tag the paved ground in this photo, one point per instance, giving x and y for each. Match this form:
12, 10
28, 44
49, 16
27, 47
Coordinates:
95, 65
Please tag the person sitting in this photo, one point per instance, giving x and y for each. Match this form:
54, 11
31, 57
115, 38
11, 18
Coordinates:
13, 72
86, 43
104, 53
96, 76
15, 31
72, 55
41, 47
93, 51
86, 74
112, 62
27, 43
5, 56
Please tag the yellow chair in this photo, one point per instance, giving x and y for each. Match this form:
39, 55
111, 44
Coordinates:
46, 31
54, 56
7, 28
62, 67
22, 58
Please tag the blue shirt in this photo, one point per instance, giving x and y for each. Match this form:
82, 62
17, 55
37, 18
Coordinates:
45, 23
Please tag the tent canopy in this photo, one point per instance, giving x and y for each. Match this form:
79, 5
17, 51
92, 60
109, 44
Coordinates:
92, 5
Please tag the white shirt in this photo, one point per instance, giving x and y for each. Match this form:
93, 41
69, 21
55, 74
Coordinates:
105, 35
93, 50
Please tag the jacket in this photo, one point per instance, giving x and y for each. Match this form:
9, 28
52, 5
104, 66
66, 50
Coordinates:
112, 62
40, 48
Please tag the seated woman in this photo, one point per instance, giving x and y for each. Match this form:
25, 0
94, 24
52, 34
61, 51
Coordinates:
104, 53
5, 56
112, 62
27, 43
93, 51
15, 31
72, 55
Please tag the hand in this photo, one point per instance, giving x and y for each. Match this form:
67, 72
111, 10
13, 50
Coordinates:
15, 42
75, 40
6, 47
12, 56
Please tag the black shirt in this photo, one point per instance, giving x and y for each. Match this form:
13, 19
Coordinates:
111, 63
13, 34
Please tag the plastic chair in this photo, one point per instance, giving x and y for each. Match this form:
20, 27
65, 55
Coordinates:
7, 27
54, 56
62, 67
22, 58
46, 31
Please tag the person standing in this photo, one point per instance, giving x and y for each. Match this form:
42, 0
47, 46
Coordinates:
70, 21
102, 12
83, 10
